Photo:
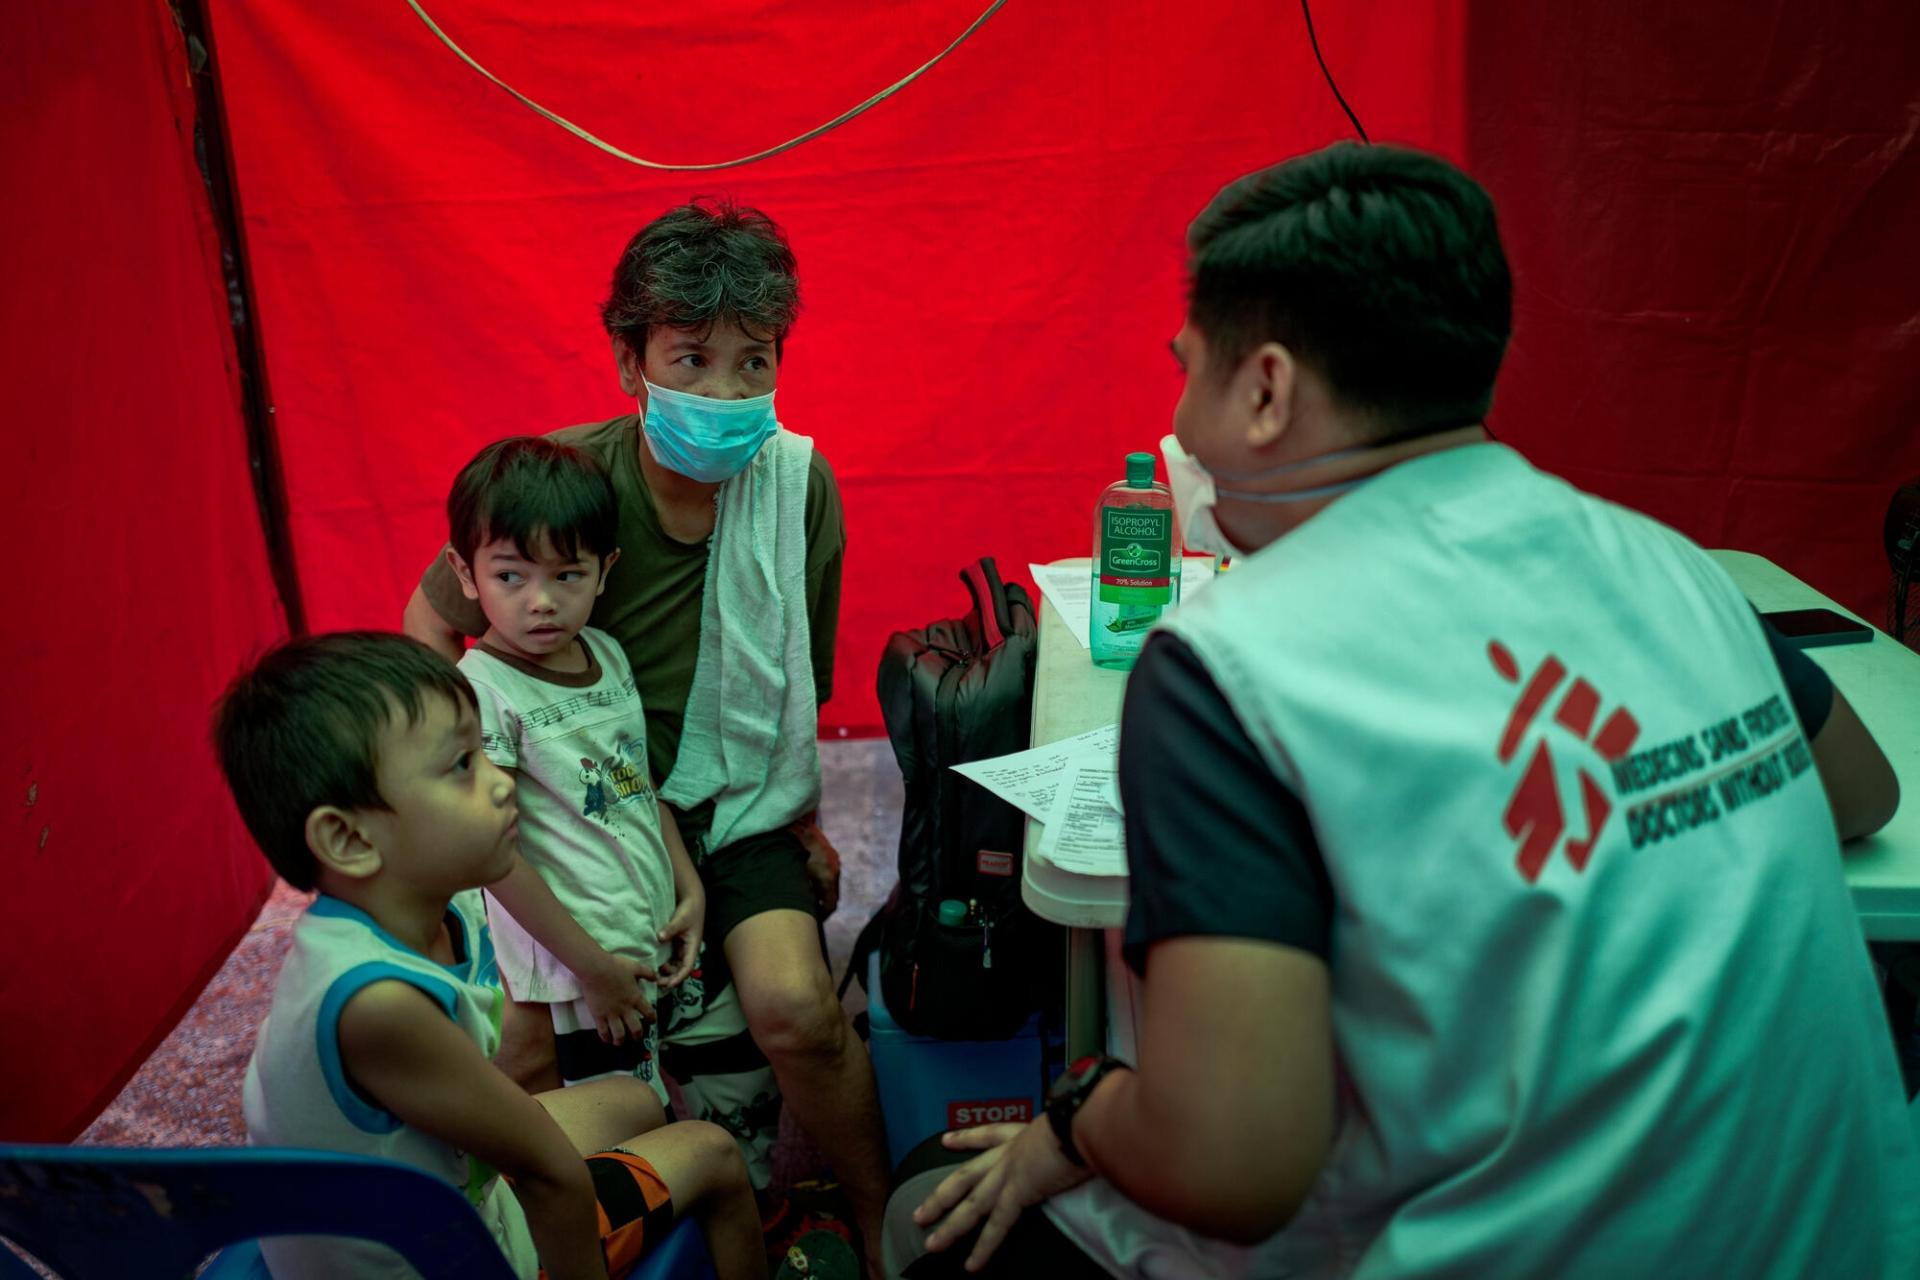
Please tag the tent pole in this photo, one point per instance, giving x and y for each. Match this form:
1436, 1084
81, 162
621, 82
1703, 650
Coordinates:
263, 441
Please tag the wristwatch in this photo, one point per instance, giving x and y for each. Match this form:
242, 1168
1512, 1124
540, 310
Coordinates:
1070, 1092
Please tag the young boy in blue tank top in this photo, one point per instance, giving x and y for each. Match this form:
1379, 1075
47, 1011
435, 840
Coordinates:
355, 761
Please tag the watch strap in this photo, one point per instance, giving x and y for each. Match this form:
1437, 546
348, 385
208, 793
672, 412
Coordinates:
1071, 1093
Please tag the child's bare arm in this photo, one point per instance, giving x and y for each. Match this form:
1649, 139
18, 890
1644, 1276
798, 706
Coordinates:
688, 923
403, 1051
610, 983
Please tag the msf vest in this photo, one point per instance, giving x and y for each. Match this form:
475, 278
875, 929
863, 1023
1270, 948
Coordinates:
1600, 998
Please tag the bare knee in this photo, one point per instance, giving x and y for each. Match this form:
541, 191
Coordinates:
721, 1153
631, 1106
714, 1170
798, 1019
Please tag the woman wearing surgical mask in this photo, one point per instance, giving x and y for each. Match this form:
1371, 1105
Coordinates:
731, 541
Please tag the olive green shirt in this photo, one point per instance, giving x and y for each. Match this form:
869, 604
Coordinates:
651, 604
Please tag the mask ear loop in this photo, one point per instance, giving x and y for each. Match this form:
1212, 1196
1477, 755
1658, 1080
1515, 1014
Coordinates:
1293, 495
1401, 437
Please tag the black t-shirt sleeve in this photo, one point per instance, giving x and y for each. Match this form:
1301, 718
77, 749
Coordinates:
1810, 688
1217, 845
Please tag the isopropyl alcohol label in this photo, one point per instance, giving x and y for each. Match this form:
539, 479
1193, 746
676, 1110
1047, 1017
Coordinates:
1136, 555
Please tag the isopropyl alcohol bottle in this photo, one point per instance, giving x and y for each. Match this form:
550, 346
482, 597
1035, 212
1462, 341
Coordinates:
1136, 563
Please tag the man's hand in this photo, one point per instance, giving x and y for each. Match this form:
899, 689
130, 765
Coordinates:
1019, 1166
611, 988
684, 929
823, 862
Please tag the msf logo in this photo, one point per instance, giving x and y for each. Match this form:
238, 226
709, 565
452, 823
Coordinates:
1535, 815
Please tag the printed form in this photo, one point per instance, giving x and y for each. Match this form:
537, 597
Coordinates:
1070, 587
1071, 787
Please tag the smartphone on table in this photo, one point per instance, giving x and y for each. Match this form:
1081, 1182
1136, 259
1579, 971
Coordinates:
1812, 628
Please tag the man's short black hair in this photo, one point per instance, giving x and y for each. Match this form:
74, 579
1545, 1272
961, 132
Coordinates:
302, 729
701, 263
525, 486
1378, 267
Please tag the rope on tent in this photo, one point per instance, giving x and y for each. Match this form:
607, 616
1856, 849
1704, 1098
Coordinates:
1315, 42
788, 145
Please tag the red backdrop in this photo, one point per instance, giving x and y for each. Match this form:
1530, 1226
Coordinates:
137, 582
990, 261
1711, 212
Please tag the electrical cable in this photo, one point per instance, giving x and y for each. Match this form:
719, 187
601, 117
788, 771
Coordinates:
788, 145
1315, 42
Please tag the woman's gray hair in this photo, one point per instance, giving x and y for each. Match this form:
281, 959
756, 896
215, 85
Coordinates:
700, 264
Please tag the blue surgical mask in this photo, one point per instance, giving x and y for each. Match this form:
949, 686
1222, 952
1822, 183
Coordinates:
702, 438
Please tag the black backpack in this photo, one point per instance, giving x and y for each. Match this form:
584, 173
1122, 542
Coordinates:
956, 690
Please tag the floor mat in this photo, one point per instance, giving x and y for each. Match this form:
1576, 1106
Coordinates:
810, 1234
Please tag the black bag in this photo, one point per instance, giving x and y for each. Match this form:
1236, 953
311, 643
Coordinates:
957, 690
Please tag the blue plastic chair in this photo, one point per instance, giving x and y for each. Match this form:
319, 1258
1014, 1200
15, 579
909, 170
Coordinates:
95, 1212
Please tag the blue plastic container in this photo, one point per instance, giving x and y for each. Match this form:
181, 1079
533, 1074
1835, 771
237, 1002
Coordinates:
928, 1086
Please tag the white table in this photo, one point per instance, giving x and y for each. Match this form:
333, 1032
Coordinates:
1071, 695
1880, 678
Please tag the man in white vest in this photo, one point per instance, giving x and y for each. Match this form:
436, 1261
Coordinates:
1485, 847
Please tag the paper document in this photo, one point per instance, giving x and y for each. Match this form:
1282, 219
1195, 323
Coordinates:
1084, 833
1070, 587
1028, 779
1070, 786
1195, 573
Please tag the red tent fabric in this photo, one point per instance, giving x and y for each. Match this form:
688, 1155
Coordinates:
1710, 210
990, 261
140, 582
1707, 211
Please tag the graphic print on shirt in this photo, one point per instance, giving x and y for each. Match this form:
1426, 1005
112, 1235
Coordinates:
1759, 751
1535, 815
686, 1002
619, 779
649, 1046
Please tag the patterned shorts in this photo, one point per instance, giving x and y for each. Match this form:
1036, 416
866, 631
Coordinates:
634, 1208
723, 1076
582, 1055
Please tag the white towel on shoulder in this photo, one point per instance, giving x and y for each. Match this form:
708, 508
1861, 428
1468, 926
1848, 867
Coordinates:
750, 738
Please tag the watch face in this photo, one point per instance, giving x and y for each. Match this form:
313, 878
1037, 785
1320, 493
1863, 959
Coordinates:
1075, 1074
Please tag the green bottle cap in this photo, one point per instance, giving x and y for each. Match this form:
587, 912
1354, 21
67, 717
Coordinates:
1140, 470
953, 911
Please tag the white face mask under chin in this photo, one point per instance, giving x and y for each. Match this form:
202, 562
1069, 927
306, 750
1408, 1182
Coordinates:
1193, 499
1195, 495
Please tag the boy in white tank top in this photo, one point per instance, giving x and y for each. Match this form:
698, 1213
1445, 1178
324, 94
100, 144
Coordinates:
355, 761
